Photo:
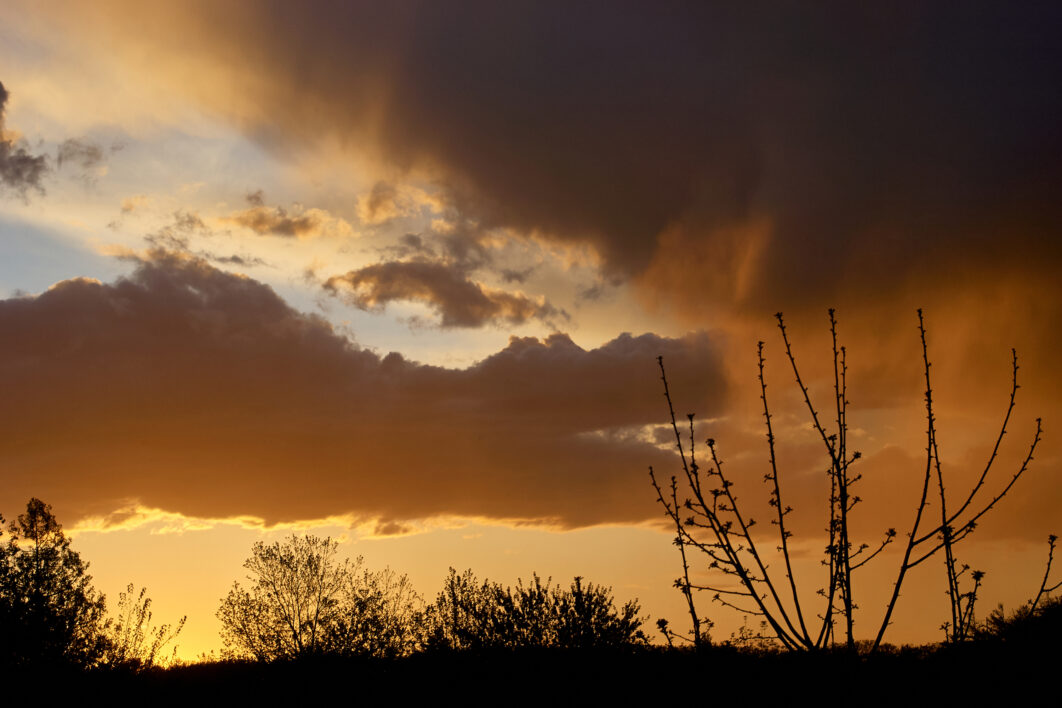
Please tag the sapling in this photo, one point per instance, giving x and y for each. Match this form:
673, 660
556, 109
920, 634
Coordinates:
710, 522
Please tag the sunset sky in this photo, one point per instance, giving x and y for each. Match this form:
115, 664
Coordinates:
399, 273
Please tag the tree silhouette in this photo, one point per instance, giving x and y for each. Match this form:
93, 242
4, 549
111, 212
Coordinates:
49, 611
303, 601
379, 614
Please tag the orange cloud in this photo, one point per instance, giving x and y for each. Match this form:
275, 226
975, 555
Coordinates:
459, 301
386, 202
299, 223
202, 393
735, 164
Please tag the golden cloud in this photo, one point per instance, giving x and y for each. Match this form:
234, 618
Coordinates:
445, 288
203, 394
297, 223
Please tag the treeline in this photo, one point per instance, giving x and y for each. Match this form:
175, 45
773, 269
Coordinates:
302, 601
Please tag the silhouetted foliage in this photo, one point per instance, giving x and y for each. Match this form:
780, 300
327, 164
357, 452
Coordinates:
133, 642
303, 601
1039, 626
1037, 622
709, 521
379, 615
469, 614
49, 612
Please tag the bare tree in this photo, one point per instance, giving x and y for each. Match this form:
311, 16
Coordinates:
709, 521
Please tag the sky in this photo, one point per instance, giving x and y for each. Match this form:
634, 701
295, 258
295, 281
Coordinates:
399, 273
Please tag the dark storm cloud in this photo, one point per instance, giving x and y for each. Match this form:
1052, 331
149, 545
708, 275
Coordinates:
459, 301
202, 392
869, 138
20, 170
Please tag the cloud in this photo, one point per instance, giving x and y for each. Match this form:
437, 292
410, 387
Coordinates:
167, 238
386, 202
459, 301
511, 275
414, 245
729, 160
277, 221
244, 261
872, 140
188, 222
202, 393
131, 204
20, 170
462, 247
87, 156
392, 528
177, 237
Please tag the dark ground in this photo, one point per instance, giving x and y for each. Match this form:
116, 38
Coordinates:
975, 674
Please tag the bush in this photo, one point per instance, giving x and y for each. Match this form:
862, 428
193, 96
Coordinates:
1039, 627
133, 643
469, 614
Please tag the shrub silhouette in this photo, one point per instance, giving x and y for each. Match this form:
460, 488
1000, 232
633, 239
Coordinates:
709, 521
469, 614
133, 642
1037, 627
1037, 622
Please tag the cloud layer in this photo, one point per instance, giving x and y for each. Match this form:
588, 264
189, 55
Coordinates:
203, 393
825, 151
728, 161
